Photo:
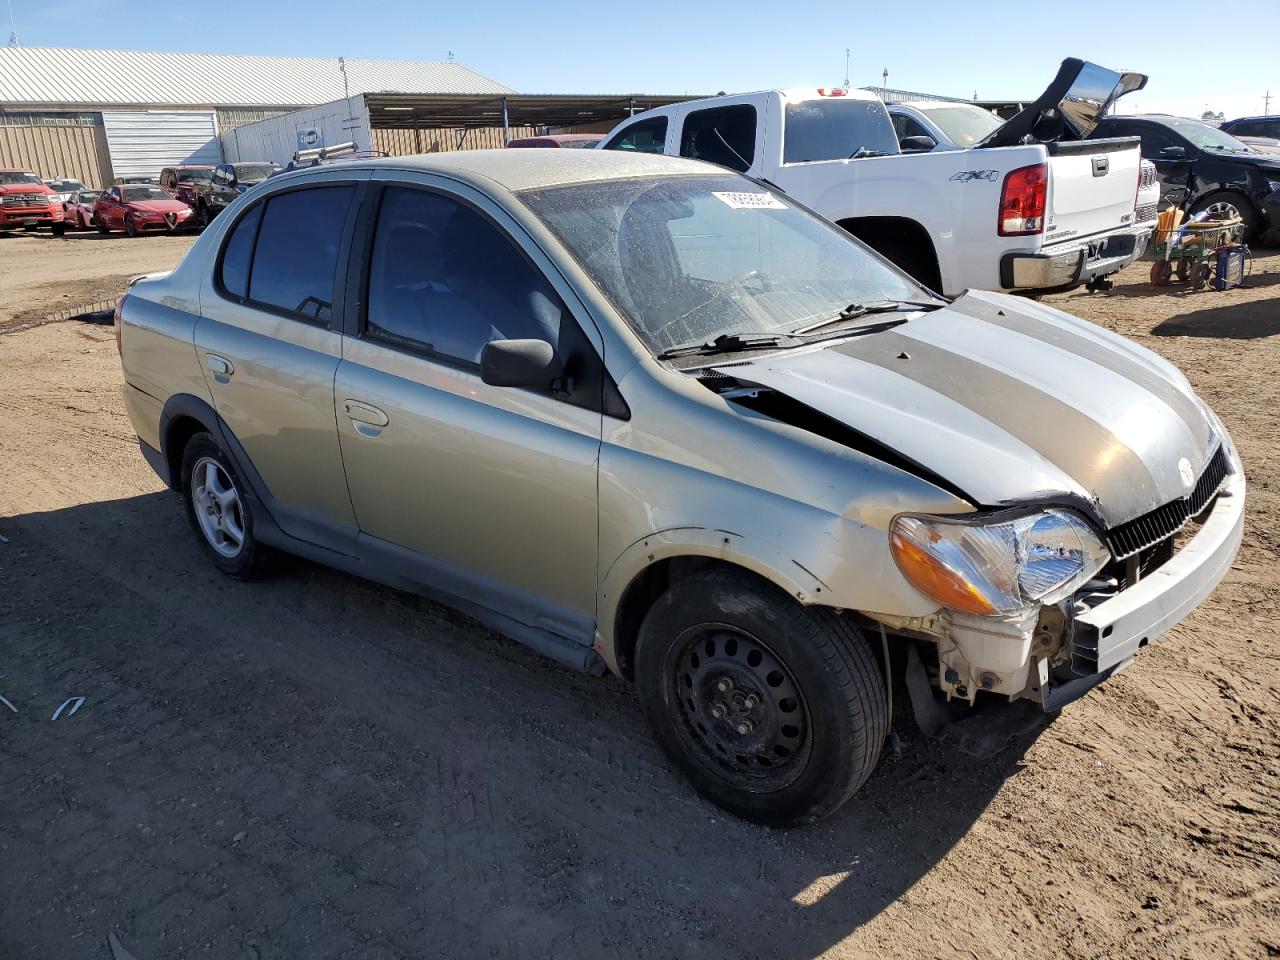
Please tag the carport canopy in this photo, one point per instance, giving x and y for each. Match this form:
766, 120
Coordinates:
445, 110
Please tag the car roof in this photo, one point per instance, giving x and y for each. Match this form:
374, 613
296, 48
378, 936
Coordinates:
517, 170
1267, 116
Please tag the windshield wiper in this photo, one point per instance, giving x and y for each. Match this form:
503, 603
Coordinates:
728, 343
855, 310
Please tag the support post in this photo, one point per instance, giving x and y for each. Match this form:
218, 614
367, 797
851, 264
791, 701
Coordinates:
506, 129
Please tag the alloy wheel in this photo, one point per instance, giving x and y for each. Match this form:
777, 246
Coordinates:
218, 509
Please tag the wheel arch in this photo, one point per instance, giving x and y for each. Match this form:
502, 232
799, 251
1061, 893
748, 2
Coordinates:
882, 233
649, 566
182, 418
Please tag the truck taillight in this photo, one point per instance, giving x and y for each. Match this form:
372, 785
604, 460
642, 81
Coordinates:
1022, 201
833, 92
116, 320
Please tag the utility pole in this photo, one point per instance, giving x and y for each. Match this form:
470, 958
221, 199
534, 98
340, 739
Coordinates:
13, 29
346, 89
846, 69
884, 85
1266, 103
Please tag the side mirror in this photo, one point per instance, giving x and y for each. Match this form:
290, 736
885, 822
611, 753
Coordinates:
532, 364
917, 144
1173, 153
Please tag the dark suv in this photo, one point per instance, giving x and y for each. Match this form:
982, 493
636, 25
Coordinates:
229, 180
1253, 127
1202, 168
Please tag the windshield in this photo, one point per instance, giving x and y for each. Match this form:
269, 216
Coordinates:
836, 129
963, 125
580, 144
249, 172
1206, 137
9, 178
66, 186
144, 193
688, 259
191, 176
88, 196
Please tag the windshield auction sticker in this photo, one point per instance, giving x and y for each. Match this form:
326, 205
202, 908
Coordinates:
749, 201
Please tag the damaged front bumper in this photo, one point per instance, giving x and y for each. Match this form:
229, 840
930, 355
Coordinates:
1056, 655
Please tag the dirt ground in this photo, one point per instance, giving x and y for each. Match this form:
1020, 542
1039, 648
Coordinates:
315, 766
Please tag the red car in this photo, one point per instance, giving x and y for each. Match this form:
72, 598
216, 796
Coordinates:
136, 208
576, 141
27, 202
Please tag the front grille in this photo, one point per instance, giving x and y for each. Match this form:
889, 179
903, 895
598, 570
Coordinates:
1164, 521
26, 200
1146, 212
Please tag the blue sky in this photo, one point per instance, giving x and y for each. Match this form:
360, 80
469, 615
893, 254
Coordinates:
998, 48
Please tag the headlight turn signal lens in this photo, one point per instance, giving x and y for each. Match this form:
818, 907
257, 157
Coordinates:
997, 565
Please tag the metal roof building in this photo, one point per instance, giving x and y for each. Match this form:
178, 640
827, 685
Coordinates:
98, 114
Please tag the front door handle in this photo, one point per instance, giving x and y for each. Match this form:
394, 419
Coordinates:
220, 367
369, 420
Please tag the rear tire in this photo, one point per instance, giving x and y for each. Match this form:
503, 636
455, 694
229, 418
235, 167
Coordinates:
219, 511
774, 711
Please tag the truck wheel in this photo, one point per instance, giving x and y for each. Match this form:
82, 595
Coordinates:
58, 229
1226, 204
774, 711
29, 227
218, 511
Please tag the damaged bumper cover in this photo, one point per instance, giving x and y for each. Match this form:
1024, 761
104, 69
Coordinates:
1107, 637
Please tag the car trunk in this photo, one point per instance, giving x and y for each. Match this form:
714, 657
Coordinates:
1093, 186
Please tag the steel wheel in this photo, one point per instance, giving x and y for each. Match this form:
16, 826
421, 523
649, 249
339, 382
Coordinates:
740, 711
218, 510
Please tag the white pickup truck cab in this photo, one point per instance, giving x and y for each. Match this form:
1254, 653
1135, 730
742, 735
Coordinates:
1033, 207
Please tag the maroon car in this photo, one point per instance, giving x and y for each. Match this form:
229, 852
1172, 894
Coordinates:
136, 208
574, 141
180, 181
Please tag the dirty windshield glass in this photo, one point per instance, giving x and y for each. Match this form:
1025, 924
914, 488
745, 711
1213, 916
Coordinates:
836, 129
252, 172
688, 259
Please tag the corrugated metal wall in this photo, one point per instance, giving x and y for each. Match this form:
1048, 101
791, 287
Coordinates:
341, 121
231, 117
143, 142
57, 146
404, 142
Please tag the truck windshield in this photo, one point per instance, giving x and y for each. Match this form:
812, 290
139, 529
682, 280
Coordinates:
964, 125
10, 178
836, 129
253, 172
689, 259
194, 176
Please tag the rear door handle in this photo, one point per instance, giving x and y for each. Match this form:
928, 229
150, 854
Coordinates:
369, 420
220, 367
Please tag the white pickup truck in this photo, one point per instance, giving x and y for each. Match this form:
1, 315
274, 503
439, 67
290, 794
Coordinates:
1032, 207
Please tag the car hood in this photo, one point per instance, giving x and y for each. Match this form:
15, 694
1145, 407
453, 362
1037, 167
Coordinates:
25, 188
1010, 402
1069, 108
156, 206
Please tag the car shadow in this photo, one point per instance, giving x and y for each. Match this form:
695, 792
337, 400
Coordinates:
317, 758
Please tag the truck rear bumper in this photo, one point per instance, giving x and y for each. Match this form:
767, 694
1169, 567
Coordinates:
1066, 265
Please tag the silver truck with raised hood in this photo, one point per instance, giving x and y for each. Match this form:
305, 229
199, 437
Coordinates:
649, 416
1031, 207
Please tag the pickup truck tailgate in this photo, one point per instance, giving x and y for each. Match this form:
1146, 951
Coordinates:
1092, 187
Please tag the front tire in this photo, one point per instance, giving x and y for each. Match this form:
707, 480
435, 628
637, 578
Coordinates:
58, 229
102, 226
219, 511
130, 228
774, 711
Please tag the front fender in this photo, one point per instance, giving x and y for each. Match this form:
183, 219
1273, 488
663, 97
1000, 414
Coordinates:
758, 556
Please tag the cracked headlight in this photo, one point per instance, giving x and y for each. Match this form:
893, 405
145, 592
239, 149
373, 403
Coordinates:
993, 566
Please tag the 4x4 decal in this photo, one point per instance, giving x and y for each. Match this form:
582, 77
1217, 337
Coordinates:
964, 176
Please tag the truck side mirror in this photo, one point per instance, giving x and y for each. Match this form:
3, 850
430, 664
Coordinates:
917, 144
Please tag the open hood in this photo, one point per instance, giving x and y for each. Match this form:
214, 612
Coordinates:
1070, 107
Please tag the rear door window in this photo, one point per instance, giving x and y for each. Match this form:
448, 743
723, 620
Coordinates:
296, 256
721, 135
836, 129
644, 136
